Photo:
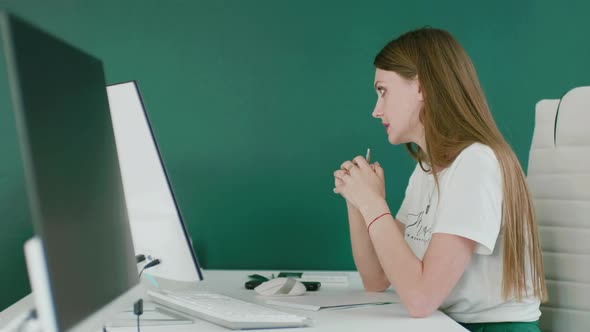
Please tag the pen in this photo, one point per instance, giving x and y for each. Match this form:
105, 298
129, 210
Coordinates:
368, 158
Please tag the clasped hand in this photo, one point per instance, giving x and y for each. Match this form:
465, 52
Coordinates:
359, 182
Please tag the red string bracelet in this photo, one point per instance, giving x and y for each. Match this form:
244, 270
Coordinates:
369, 227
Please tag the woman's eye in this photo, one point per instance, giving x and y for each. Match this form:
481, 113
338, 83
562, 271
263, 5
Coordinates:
381, 91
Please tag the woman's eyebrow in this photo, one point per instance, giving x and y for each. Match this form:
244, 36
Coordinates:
376, 82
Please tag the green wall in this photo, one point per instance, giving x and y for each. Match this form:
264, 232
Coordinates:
255, 103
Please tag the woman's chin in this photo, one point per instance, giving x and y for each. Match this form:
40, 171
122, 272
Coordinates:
395, 140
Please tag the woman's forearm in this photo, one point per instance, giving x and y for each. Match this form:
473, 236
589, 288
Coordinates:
402, 268
365, 258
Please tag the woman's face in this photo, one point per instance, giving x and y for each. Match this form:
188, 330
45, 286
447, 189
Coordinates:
399, 102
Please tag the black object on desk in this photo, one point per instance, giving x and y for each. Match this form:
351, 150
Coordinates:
309, 285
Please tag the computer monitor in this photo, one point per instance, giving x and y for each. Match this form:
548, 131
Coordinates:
157, 225
81, 261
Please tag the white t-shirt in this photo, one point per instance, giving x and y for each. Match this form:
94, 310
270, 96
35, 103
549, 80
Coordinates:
470, 206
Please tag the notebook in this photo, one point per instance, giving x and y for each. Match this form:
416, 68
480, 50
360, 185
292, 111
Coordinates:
315, 301
326, 278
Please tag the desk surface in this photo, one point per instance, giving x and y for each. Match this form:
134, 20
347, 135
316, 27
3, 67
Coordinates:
392, 317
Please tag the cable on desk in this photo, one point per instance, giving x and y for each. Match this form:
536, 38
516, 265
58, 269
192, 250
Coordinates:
149, 265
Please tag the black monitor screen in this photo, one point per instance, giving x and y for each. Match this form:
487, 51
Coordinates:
72, 171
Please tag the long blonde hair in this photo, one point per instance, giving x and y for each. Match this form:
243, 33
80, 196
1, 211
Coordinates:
456, 115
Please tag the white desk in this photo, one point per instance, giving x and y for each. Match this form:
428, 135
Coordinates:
391, 317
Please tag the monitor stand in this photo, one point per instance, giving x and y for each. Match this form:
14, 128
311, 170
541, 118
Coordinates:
153, 315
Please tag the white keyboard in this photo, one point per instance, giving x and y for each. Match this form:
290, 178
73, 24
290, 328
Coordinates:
227, 311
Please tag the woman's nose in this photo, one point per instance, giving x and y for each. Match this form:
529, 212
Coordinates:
376, 114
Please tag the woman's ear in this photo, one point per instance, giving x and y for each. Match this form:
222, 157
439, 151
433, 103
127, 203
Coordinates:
420, 90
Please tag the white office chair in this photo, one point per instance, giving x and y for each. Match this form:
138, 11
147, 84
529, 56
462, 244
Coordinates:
559, 180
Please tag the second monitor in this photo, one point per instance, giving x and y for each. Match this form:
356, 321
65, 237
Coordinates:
156, 223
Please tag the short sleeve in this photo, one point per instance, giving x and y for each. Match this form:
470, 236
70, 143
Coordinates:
402, 213
471, 199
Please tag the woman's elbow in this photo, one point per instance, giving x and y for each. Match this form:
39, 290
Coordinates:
420, 307
420, 312
375, 284
376, 287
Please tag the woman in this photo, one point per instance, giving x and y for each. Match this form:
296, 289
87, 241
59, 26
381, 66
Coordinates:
465, 237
